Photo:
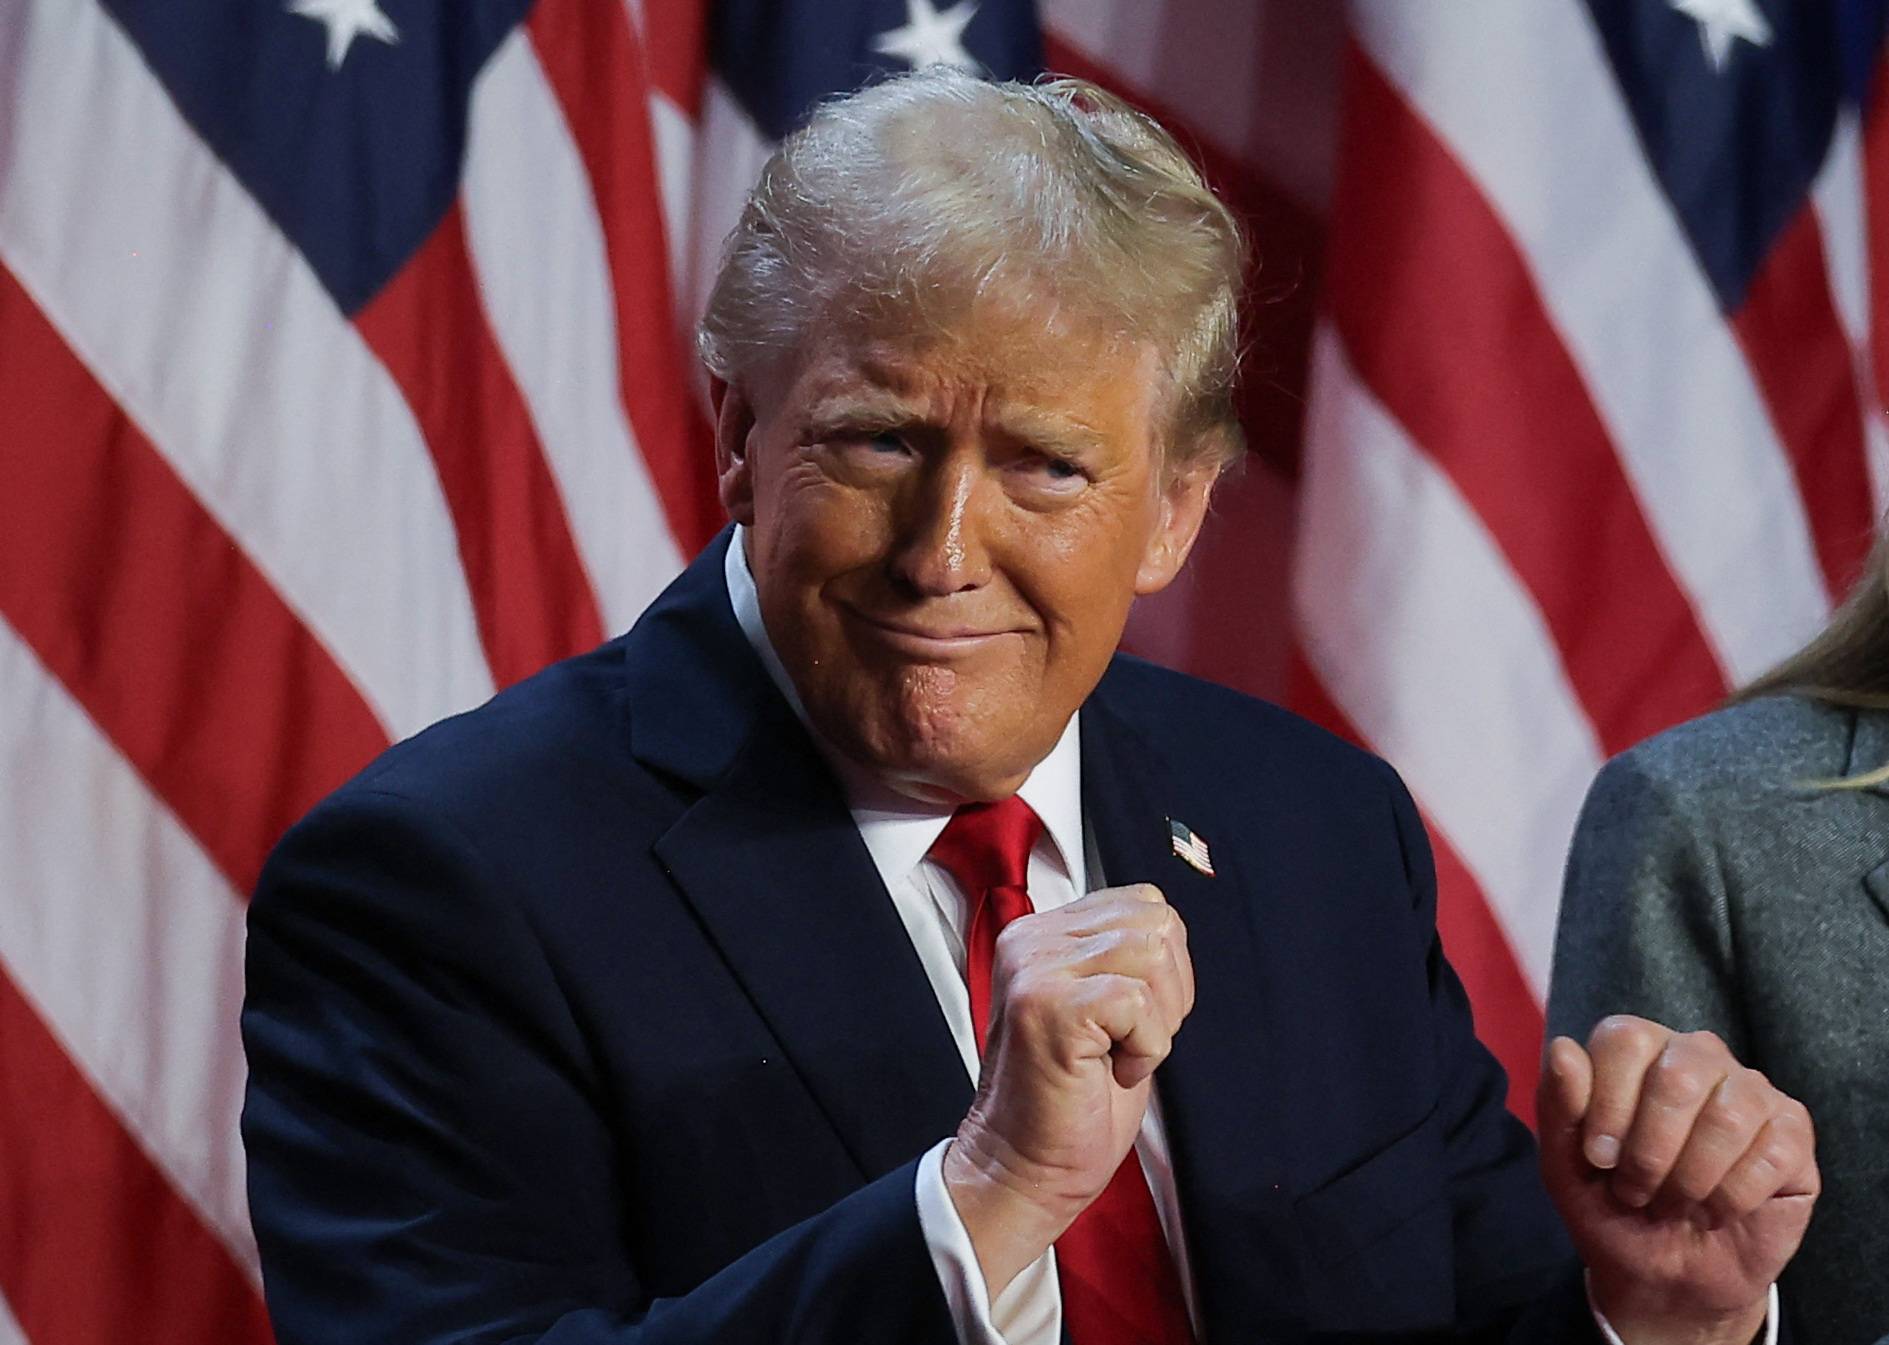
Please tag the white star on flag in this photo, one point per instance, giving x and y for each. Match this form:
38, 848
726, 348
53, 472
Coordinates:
347, 20
1721, 22
931, 38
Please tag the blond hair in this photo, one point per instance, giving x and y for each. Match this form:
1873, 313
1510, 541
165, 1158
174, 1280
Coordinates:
1847, 663
938, 187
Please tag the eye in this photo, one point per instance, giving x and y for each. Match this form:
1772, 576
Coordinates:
1049, 471
868, 453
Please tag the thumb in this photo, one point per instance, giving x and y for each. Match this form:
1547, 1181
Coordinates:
1561, 1098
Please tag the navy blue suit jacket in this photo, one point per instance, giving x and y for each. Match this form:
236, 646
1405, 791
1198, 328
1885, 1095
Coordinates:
585, 1019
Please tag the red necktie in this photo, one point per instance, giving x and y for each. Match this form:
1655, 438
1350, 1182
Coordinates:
1119, 1282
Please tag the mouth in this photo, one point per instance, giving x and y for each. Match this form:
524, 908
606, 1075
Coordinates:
930, 641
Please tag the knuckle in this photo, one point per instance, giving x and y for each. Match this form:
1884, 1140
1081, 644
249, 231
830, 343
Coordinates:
1621, 1032
1799, 1117
1042, 993
1621, 1025
1676, 1081
1788, 1134
1728, 1119
1769, 1160
1751, 1083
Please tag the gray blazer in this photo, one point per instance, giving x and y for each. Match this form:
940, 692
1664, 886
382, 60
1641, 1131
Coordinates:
1709, 888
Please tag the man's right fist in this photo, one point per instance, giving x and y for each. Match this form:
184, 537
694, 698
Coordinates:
1085, 1002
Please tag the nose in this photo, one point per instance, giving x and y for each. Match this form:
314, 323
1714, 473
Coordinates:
942, 547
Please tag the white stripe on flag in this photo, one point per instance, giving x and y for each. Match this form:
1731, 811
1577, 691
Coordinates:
126, 939
544, 276
679, 164
1504, 85
1423, 636
1838, 195
10, 1332
673, 135
729, 152
201, 319
1841, 216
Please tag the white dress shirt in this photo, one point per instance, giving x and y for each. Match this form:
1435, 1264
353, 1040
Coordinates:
898, 832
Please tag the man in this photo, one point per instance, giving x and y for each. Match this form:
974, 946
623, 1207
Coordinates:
644, 1004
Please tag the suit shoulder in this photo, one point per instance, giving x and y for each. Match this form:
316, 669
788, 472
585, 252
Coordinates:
1209, 723
1745, 753
561, 722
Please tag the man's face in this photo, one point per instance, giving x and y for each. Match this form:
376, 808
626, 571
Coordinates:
946, 536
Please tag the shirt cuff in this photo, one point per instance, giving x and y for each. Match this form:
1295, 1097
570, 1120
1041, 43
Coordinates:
1030, 1309
1612, 1337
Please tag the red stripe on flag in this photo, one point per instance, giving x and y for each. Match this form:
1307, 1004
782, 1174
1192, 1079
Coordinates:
1876, 226
1281, 300
95, 1245
533, 601
1444, 324
677, 42
591, 56
1508, 1020
1794, 341
154, 620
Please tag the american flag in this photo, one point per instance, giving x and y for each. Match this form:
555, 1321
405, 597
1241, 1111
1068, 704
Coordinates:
345, 376
1191, 846
1596, 422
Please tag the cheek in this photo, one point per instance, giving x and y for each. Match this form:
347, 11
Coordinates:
820, 529
1081, 574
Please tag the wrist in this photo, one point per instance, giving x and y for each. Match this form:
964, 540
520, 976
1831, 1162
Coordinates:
1009, 1214
1640, 1317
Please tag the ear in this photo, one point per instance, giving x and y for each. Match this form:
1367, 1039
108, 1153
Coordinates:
1183, 508
734, 429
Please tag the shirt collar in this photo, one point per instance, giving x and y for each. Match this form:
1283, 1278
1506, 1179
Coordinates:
899, 830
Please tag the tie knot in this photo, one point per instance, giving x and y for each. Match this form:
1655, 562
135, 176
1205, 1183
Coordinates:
987, 845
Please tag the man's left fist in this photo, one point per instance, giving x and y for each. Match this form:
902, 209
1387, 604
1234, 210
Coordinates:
1685, 1179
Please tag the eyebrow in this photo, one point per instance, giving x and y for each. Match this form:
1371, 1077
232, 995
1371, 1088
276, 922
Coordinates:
848, 410
1056, 434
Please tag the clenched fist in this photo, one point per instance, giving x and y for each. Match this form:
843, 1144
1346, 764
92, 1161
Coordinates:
1085, 1002
1685, 1180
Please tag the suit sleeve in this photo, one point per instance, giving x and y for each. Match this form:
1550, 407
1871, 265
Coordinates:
1645, 923
1517, 1279
429, 1155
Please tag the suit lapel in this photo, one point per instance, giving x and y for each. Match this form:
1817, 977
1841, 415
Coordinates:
770, 860
1214, 1094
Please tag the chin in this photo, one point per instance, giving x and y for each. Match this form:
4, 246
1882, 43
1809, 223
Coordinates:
962, 760
933, 732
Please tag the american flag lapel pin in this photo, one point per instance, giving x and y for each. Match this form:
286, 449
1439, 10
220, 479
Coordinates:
1190, 846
